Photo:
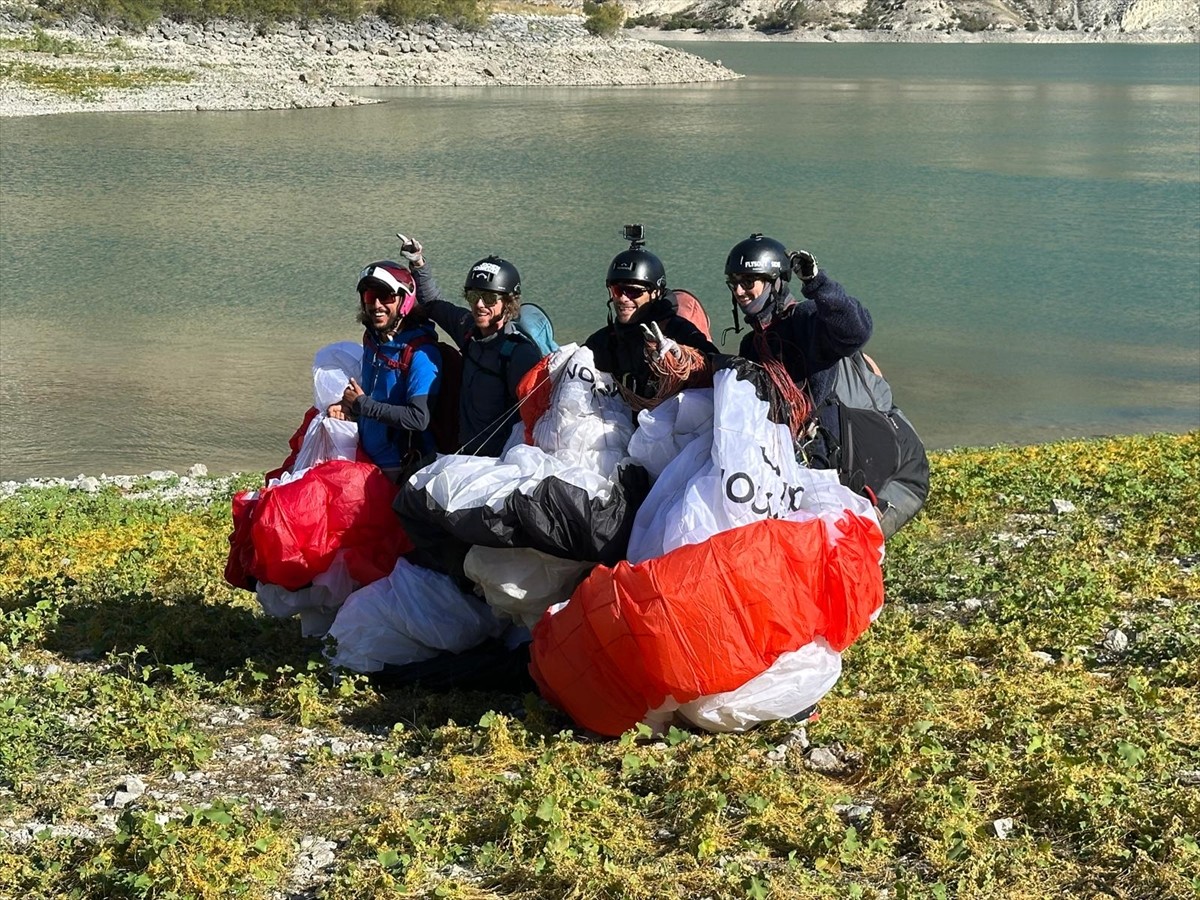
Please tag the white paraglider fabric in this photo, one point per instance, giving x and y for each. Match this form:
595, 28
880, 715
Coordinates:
742, 469
792, 684
587, 424
317, 604
520, 582
414, 614
333, 367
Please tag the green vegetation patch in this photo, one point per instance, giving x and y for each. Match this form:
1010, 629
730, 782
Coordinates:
41, 42
603, 19
88, 83
1020, 721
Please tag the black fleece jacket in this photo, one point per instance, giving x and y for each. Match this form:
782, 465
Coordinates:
620, 350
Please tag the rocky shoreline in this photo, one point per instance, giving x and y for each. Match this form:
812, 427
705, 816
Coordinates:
236, 66
231, 66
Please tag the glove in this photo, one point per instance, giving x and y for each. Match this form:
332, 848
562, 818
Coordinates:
804, 264
658, 345
411, 250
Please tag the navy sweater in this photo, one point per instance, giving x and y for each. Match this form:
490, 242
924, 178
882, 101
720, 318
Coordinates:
809, 337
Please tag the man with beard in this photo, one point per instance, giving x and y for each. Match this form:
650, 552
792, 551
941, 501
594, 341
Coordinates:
401, 371
643, 322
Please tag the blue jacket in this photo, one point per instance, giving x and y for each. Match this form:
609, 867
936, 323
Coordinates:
394, 410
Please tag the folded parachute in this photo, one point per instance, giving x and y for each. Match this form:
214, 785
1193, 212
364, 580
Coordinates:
747, 575
413, 614
566, 494
323, 524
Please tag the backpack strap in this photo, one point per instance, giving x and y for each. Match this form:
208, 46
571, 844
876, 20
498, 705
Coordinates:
406, 354
507, 349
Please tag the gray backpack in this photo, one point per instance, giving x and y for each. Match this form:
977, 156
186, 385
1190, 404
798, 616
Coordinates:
879, 452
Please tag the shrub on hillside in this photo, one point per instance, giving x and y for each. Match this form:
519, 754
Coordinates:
470, 15
603, 19
973, 22
783, 18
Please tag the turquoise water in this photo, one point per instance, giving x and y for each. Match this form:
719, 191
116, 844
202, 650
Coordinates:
1023, 222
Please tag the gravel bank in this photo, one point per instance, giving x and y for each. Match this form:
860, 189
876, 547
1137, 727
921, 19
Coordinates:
230, 66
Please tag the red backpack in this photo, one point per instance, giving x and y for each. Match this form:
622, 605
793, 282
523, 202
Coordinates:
689, 307
444, 415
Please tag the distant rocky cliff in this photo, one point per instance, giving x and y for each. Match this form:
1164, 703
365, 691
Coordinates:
922, 15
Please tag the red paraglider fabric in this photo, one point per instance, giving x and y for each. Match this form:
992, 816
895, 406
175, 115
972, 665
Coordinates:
292, 531
534, 392
705, 618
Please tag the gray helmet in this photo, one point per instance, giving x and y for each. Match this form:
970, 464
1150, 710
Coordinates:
494, 274
759, 255
638, 266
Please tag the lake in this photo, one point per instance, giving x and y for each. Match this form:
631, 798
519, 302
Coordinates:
1023, 222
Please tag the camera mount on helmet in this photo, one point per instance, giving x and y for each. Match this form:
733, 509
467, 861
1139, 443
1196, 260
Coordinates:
637, 265
635, 234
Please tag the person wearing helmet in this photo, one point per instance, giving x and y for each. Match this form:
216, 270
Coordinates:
496, 355
637, 297
809, 335
401, 371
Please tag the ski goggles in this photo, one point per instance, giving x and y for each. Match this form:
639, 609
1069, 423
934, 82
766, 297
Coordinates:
487, 298
628, 291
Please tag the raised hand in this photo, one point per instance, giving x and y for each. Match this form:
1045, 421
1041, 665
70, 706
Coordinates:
804, 264
658, 345
411, 250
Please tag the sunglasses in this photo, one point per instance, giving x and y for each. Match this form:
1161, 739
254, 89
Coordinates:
745, 282
370, 295
487, 298
628, 291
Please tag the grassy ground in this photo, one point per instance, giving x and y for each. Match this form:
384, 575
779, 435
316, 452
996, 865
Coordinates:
1021, 722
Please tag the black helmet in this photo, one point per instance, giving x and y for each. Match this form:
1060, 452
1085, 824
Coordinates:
758, 255
639, 266
494, 274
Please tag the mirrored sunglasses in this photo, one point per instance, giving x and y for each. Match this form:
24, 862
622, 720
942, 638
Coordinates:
628, 291
371, 294
487, 298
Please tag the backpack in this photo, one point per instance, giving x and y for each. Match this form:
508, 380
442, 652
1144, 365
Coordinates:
688, 306
444, 415
878, 451
536, 325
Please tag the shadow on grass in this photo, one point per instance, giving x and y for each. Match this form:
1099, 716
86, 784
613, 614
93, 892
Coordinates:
218, 638
215, 637
459, 689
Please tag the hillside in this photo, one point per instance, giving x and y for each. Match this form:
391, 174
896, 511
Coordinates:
1107, 16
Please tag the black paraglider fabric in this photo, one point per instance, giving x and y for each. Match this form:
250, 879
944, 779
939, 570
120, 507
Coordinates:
561, 519
556, 517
